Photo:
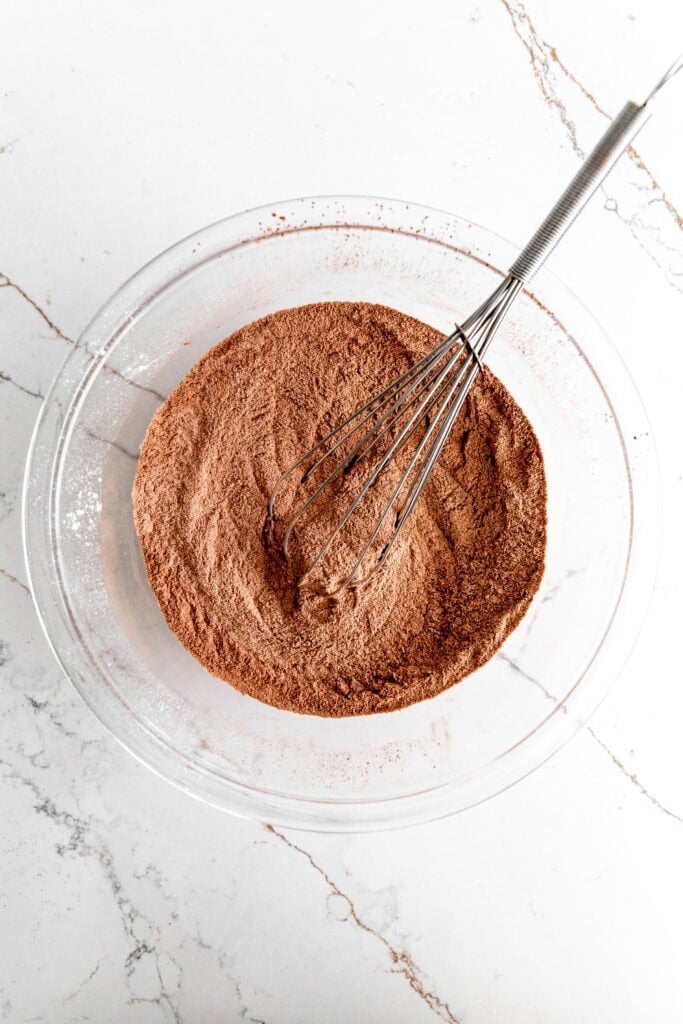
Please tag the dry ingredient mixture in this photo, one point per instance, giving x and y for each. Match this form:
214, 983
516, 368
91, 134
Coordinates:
458, 581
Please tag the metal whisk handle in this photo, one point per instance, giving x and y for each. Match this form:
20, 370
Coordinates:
582, 186
595, 168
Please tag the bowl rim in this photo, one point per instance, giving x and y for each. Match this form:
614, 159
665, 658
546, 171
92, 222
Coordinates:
327, 814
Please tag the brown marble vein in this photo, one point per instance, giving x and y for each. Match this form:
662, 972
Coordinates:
6, 282
632, 152
652, 232
402, 961
13, 579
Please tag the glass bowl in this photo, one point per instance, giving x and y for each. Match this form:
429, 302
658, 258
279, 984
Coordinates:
434, 758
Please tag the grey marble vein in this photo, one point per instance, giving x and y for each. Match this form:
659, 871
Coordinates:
77, 991
114, 444
81, 839
43, 708
631, 776
15, 383
6, 282
8, 498
224, 965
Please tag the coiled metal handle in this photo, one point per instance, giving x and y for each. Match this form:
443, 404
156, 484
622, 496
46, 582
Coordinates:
595, 168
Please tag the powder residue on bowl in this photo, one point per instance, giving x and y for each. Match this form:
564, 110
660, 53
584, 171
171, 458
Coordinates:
461, 575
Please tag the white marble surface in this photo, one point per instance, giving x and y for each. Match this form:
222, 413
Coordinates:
126, 126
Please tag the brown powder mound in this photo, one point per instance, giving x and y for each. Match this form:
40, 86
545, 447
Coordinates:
458, 581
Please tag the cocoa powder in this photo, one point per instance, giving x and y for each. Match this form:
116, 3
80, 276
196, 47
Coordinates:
458, 581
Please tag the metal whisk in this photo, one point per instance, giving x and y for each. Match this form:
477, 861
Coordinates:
424, 401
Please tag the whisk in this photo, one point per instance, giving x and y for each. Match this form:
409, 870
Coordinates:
421, 404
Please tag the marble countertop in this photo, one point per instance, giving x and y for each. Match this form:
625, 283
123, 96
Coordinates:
125, 127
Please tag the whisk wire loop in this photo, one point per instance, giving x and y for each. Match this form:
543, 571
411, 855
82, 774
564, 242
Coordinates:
432, 392
428, 395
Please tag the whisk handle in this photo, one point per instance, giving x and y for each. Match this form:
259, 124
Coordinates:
594, 169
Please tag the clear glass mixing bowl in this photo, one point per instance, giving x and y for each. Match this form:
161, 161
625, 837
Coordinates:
429, 760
